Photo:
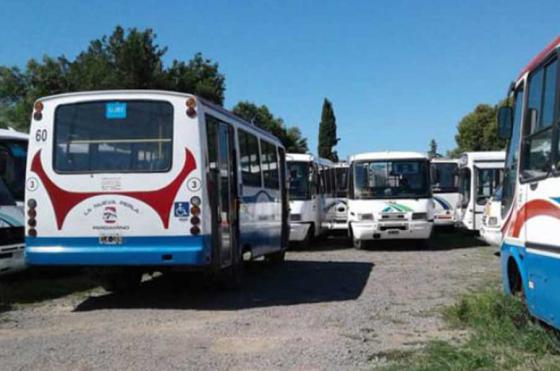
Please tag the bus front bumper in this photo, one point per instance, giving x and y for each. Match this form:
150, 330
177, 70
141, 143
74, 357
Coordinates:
298, 231
11, 258
421, 229
444, 219
134, 251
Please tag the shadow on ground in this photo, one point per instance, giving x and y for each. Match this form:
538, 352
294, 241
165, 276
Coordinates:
294, 282
36, 285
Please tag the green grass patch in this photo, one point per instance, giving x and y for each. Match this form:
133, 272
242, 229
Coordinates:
501, 336
33, 287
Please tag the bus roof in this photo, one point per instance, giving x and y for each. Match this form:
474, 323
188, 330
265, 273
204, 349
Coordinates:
388, 156
441, 160
203, 101
12, 134
539, 58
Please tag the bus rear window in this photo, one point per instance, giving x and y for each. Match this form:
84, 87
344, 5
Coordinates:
113, 136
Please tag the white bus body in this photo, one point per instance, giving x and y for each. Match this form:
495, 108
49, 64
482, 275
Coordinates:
390, 197
151, 180
13, 153
306, 198
445, 189
491, 229
480, 174
336, 216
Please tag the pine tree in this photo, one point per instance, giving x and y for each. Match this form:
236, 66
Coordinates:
327, 132
432, 153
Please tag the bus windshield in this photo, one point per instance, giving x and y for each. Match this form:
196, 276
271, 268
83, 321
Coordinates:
487, 183
299, 180
391, 179
13, 155
341, 182
445, 177
6, 198
110, 137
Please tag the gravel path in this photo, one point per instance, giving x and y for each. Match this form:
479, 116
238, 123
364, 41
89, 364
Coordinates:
330, 307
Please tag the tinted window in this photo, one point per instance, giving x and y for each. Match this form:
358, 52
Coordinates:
445, 177
250, 159
487, 183
13, 154
510, 175
124, 136
5, 196
270, 165
465, 186
538, 131
299, 176
391, 179
341, 182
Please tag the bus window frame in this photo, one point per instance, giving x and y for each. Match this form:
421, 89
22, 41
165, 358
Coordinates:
554, 127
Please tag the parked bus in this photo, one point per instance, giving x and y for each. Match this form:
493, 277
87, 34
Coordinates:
336, 217
530, 250
491, 229
306, 197
480, 174
390, 197
125, 182
13, 148
445, 189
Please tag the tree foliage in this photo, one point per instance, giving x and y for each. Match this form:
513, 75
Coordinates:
433, 153
263, 118
124, 60
478, 131
327, 132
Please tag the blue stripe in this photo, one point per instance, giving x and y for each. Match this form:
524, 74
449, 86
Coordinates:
151, 250
443, 203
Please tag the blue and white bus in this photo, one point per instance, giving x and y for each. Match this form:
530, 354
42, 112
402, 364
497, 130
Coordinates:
126, 182
530, 248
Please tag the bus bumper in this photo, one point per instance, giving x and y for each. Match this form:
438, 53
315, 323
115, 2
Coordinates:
298, 231
381, 231
444, 219
11, 258
134, 251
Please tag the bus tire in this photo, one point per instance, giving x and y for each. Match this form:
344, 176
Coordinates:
514, 280
125, 280
309, 237
358, 244
276, 257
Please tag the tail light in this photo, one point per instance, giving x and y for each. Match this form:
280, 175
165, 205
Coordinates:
31, 217
38, 114
191, 107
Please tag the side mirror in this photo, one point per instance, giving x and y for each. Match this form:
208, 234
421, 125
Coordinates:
505, 122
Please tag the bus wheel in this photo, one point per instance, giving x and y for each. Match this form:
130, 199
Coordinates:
358, 244
515, 280
276, 257
121, 281
309, 237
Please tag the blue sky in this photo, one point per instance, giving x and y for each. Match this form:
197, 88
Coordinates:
398, 72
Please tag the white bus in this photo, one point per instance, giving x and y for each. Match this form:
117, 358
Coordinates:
530, 249
306, 197
125, 182
336, 216
445, 189
13, 153
390, 197
480, 174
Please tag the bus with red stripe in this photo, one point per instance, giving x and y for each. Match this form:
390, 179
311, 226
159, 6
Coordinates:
126, 182
530, 249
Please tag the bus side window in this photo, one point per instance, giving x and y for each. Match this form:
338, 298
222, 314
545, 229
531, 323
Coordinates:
250, 159
269, 165
538, 124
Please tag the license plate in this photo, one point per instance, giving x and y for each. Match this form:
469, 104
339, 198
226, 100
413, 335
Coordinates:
110, 240
393, 232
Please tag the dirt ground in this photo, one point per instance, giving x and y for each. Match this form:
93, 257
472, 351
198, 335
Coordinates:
327, 307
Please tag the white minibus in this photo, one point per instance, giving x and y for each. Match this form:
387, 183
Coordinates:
390, 197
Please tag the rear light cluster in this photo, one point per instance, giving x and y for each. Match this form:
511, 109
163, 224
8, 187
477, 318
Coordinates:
38, 114
195, 218
31, 215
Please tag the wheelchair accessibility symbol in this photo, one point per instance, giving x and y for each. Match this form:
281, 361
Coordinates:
181, 209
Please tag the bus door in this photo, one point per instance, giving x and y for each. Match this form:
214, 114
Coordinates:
223, 192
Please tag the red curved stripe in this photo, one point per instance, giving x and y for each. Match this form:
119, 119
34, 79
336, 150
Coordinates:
532, 209
160, 200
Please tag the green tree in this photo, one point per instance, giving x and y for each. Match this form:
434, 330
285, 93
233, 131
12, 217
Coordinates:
433, 153
262, 117
478, 131
123, 60
327, 132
